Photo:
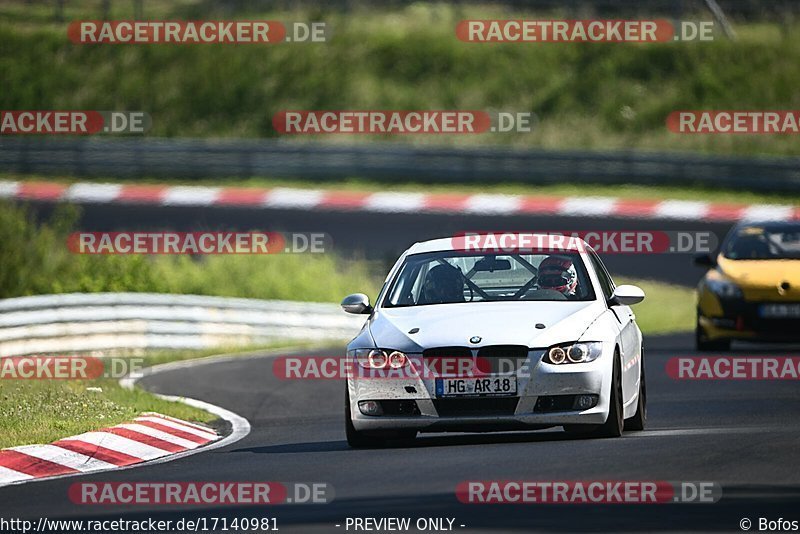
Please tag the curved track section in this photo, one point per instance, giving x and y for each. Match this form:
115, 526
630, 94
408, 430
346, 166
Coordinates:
740, 434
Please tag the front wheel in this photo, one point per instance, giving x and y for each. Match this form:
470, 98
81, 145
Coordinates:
639, 419
362, 440
356, 439
613, 426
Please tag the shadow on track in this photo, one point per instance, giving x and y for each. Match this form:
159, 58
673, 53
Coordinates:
423, 441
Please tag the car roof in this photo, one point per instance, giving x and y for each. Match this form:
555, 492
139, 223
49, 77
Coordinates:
457, 242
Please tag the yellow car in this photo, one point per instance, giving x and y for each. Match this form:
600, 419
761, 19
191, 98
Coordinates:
752, 289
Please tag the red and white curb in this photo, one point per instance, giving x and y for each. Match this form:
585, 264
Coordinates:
394, 202
112, 449
148, 437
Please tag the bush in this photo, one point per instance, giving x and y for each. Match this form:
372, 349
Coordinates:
587, 95
36, 260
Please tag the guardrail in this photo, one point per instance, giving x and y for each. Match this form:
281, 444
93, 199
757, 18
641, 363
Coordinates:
199, 158
79, 322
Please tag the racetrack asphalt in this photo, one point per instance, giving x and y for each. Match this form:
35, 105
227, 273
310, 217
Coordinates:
740, 434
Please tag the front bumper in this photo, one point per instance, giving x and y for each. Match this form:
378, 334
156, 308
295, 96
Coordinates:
535, 380
741, 320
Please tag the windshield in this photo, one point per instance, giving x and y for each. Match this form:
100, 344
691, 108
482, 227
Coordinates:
455, 276
764, 243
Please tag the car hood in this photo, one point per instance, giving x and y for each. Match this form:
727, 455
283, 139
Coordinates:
761, 280
496, 323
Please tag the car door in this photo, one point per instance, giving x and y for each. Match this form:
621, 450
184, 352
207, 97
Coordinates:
630, 336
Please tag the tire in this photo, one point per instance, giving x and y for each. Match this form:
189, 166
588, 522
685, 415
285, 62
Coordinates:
356, 439
639, 419
362, 440
614, 424
703, 344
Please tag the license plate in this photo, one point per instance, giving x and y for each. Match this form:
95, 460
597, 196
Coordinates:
779, 311
476, 387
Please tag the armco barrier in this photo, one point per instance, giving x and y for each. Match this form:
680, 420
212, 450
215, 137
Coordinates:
80, 322
200, 158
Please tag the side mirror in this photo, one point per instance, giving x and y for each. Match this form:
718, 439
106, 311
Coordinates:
705, 260
357, 303
627, 295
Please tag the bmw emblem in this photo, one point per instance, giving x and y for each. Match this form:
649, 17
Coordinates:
475, 339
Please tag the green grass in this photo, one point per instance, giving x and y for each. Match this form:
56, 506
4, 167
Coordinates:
601, 96
666, 309
36, 261
43, 411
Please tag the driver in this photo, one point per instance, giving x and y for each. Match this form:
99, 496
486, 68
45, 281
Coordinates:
443, 284
558, 273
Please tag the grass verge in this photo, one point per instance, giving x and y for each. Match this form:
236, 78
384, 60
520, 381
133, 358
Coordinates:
36, 261
666, 309
586, 95
43, 411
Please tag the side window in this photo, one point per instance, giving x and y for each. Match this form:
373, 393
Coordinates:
605, 280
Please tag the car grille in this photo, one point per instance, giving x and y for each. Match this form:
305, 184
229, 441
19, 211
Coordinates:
447, 352
503, 358
476, 406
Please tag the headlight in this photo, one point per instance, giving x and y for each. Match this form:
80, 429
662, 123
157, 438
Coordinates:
397, 359
724, 289
379, 358
578, 352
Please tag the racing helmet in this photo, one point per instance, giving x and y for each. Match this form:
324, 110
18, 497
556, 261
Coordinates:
558, 273
443, 284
